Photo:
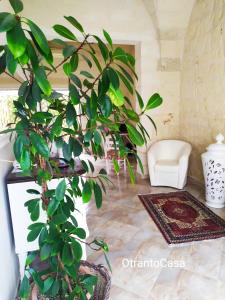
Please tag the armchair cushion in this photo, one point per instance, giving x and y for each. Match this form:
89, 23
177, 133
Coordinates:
166, 165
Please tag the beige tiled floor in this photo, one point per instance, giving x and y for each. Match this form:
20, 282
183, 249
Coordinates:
131, 234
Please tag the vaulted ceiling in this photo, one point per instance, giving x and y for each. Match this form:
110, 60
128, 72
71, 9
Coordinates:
170, 16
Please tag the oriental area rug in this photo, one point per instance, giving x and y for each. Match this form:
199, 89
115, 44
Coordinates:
182, 218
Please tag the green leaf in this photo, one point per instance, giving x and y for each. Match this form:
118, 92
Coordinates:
108, 262
87, 74
70, 114
73, 294
76, 80
153, 123
113, 77
38, 225
80, 232
91, 107
20, 141
24, 59
32, 55
42, 81
60, 42
47, 284
67, 68
134, 135
132, 115
60, 190
25, 161
97, 63
30, 258
131, 60
102, 244
59, 219
74, 221
67, 151
77, 148
77, 250
90, 280
52, 206
131, 172
45, 251
116, 165
87, 60
74, 94
103, 48
17, 5
41, 117
68, 50
57, 126
35, 211
108, 38
97, 138
85, 166
140, 100
116, 96
32, 191
86, 193
33, 234
154, 101
98, 195
2, 63
91, 166
120, 54
24, 290
37, 279
75, 23
43, 176
16, 40
23, 89
39, 144
65, 32
39, 37
67, 255
127, 75
126, 82
106, 106
140, 164
55, 288
7, 21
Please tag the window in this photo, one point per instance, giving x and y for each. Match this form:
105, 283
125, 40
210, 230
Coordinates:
6, 107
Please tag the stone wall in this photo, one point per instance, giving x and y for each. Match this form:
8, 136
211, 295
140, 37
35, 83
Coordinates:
202, 108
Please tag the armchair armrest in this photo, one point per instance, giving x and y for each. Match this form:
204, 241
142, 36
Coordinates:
185, 154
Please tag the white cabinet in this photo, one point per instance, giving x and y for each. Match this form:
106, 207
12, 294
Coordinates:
17, 187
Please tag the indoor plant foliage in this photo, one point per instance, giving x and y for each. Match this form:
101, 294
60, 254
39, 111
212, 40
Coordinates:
44, 117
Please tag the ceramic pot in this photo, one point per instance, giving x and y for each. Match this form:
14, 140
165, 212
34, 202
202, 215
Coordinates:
213, 161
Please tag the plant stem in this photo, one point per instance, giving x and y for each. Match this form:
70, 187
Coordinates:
96, 79
65, 276
67, 58
42, 164
13, 77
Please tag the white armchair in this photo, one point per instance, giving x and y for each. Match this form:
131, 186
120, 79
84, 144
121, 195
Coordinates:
168, 163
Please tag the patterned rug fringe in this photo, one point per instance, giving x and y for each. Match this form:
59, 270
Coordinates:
180, 245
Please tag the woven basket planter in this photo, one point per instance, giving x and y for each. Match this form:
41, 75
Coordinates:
101, 291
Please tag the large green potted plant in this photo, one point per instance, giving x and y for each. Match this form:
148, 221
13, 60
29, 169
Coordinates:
45, 117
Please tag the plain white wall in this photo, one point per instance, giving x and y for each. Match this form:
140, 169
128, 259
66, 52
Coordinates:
9, 275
